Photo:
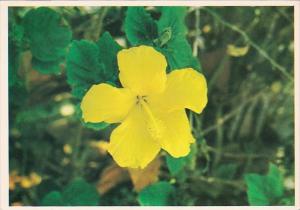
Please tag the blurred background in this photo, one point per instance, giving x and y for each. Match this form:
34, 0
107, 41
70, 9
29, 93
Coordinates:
246, 54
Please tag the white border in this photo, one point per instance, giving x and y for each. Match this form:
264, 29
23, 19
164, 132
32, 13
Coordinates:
4, 172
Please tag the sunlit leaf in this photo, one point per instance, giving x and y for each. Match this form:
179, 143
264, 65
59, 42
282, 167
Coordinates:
264, 189
158, 194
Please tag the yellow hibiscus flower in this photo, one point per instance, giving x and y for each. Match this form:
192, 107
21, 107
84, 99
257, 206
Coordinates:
150, 107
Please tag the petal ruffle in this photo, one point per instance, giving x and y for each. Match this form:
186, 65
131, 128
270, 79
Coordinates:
106, 103
131, 144
186, 88
142, 69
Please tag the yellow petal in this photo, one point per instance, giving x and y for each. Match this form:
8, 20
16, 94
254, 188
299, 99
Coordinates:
142, 69
177, 135
106, 103
186, 88
131, 144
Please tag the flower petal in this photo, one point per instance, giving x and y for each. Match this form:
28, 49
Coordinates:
106, 103
142, 69
131, 144
186, 88
177, 135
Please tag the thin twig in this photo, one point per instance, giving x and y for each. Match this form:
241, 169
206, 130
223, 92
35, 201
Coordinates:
261, 51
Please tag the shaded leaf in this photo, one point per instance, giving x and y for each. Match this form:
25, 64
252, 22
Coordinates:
158, 194
144, 177
176, 165
48, 36
108, 49
80, 193
179, 54
140, 28
53, 198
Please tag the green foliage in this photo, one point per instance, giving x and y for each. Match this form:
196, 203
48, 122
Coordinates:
167, 34
157, 194
173, 18
91, 63
48, 36
15, 36
140, 28
77, 193
177, 165
264, 190
226, 171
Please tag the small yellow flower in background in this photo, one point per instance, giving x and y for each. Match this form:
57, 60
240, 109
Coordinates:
24, 181
101, 145
150, 107
67, 149
35, 178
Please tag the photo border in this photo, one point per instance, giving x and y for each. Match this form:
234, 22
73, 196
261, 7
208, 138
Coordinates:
4, 170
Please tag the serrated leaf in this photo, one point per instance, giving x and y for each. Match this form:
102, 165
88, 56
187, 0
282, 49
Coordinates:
173, 18
89, 63
80, 193
53, 198
158, 194
140, 28
264, 190
108, 50
179, 54
48, 36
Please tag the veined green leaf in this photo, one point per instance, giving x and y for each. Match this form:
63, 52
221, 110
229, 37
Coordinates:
140, 28
48, 36
264, 190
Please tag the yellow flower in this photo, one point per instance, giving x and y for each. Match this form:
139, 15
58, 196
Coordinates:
150, 107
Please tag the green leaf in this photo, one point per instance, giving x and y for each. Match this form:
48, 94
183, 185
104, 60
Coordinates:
80, 193
264, 190
140, 28
53, 198
108, 50
158, 194
48, 36
83, 67
179, 54
14, 49
89, 63
173, 18
176, 165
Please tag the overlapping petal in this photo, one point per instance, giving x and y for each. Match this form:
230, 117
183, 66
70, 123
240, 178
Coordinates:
142, 69
186, 88
131, 144
106, 103
177, 136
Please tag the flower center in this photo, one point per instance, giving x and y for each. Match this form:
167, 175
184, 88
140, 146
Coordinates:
153, 124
